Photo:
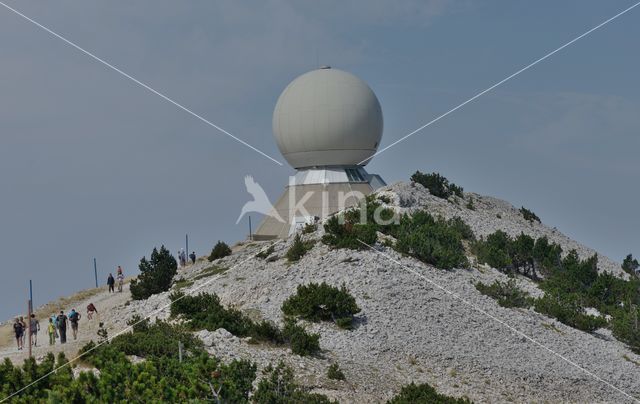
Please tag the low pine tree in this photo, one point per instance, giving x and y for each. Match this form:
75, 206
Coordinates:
630, 265
220, 250
156, 274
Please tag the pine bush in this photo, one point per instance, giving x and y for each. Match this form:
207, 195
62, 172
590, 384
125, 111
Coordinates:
506, 293
155, 276
322, 302
424, 394
437, 185
335, 373
220, 250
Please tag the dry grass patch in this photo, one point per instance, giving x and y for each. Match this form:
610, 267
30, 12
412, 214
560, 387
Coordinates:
552, 327
626, 357
210, 271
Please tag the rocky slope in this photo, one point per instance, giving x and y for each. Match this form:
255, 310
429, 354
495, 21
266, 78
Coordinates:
411, 330
418, 323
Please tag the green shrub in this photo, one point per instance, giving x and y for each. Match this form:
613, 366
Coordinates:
357, 228
302, 343
155, 276
625, 326
264, 254
437, 185
353, 236
529, 215
335, 373
205, 311
309, 228
278, 387
424, 394
470, 204
570, 284
463, 229
495, 251
322, 302
158, 379
608, 293
435, 241
298, 249
147, 340
568, 309
220, 250
522, 254
630, 265
384, 199
506, 293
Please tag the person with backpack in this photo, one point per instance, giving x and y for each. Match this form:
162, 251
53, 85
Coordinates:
19, 331
34, 327
74, 318
120, 277
193, 257
51, 329
62, 327
111, 282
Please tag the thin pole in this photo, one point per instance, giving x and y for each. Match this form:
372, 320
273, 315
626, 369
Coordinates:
187, 244
31, 293
180, 351
95, 271
29, 328
250, 232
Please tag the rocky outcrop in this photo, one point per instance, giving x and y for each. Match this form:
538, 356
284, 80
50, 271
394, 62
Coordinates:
419, 323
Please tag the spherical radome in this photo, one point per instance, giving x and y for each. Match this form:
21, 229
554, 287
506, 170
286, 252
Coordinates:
327, 117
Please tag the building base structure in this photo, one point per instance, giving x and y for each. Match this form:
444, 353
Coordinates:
314, 194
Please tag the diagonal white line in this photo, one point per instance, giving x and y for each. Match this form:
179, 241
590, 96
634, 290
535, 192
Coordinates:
496, 319
527, 67
141, 84
130, 327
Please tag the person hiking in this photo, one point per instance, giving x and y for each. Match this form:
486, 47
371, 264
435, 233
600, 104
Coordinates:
183, 258
34, 327
54, 320
51, 329
24, 330
19, 331
193, 257
91, 308
74, 318
111, 282
120, 277
62, 327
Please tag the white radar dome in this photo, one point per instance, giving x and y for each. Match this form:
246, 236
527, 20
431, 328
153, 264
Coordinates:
327, 117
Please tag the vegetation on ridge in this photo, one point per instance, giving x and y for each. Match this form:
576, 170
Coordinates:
529, 215
436, 241
424, 394
156, 274
205, 311
220, 250
437, 185
298, 249
322, 302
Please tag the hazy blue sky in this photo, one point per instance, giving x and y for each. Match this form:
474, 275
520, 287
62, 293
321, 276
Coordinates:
92, 165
